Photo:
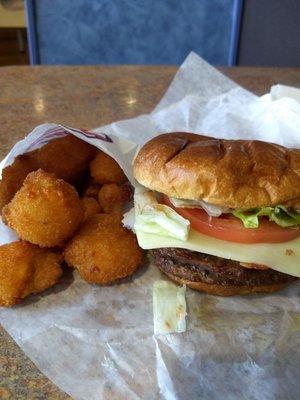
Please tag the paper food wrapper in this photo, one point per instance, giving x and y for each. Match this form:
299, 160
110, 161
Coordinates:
98, 343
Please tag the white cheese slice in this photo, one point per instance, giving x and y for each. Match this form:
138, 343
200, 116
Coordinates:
283, 257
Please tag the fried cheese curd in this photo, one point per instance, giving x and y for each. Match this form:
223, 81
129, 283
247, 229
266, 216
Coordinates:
90, 206
26, 269
91, 189
104, 169
13, 176
67, 157
103, 251
46, 211
112, 198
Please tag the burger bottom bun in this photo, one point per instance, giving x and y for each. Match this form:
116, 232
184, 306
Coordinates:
226, 290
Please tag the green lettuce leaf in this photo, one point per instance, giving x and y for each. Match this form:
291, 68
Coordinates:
281, 215
285, 217
249, 218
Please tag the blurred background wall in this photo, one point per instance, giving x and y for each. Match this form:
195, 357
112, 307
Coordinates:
270, 33
224, 32
132, 31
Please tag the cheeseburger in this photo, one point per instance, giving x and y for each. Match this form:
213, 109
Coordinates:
221, 216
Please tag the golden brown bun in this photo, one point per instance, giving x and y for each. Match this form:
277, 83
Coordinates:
231, 173
226, 290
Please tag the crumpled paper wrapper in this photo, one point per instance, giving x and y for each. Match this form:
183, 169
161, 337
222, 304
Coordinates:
98, 342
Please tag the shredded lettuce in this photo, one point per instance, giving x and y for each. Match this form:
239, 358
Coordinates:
162, 220
281, 215
169, 308
211, 209
155, 218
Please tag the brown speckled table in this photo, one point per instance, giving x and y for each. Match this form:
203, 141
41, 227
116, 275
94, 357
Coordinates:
84, 97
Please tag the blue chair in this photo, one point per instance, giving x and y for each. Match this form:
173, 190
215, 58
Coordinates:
132, 31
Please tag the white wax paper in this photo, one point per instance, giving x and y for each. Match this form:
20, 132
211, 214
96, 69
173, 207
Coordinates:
98, 343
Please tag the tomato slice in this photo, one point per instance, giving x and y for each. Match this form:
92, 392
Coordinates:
229, 228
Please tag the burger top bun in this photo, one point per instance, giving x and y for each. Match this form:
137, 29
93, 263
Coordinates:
231, 173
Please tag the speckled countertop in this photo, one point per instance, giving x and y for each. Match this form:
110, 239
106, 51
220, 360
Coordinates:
84, 97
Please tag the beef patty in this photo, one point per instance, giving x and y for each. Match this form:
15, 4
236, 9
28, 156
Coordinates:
200, 267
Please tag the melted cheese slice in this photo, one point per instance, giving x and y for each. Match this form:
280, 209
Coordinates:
282, 257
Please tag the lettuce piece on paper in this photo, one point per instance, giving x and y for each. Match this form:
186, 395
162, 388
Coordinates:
169, 308
152, 217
